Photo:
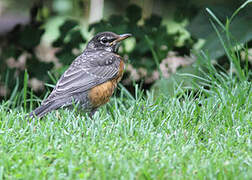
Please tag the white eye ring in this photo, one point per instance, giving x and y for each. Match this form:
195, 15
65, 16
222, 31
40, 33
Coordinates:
104, 40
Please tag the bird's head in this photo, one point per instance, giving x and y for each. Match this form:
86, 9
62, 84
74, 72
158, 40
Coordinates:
107, 41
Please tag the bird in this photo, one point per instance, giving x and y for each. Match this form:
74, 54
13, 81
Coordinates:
91, 78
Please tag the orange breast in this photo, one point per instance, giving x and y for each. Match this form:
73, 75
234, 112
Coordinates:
101, 94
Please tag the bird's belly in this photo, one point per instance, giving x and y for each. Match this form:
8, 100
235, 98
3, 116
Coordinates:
101, 94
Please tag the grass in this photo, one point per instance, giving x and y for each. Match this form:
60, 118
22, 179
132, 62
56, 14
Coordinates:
201, 133
142, 137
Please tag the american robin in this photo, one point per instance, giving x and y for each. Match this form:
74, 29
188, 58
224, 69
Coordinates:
91, 78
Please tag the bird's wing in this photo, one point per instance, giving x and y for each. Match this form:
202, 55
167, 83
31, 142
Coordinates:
87, 71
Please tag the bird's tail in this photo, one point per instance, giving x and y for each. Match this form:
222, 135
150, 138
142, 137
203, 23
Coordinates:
44, 109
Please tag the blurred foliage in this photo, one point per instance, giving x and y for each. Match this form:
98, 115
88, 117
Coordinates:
240, 28
227, 50
184, 78
70, 38
23, 40
18, 43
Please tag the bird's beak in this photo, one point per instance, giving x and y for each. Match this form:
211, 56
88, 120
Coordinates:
121, 37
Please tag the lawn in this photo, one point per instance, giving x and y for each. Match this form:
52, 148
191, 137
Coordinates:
185, 136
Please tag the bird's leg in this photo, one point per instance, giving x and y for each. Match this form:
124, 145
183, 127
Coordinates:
92, 112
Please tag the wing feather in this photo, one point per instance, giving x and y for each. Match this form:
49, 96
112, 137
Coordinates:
85, 73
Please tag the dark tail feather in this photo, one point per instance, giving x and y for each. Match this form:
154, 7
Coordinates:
44, 109
40, 111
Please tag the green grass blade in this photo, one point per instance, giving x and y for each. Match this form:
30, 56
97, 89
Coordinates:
14, 92
215, 18
52, 77
154, 54
230, 54
6, 81
25, 89
31, 100
239, 9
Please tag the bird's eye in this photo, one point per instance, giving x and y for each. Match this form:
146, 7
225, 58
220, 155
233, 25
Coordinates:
104, 40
